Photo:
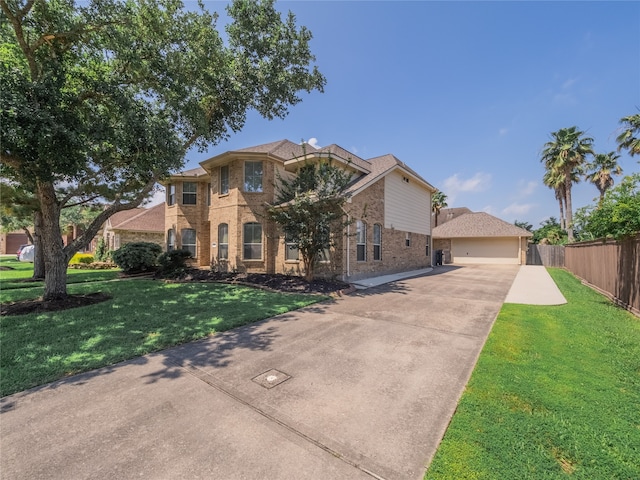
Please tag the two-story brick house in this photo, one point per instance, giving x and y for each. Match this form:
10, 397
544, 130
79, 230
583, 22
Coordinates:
218, 211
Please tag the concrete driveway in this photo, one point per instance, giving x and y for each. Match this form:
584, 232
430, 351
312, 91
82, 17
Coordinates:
359, 388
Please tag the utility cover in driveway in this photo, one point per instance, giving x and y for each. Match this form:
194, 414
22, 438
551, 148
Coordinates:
271, 378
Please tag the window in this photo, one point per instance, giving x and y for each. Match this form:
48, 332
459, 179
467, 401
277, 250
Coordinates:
171, 194
252, 241
189, 190
189, 240
208, 194
361, 241
290, 248
171, 240
223, 241
377, 242
253, 176
324, 254
407, 239
224, 180
428, 245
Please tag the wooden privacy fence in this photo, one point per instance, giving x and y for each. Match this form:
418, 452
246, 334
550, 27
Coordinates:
547, 255
611, 267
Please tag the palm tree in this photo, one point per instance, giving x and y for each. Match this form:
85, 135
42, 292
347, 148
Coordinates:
555, 181
600, 171
438, 202
565, 155
628, 139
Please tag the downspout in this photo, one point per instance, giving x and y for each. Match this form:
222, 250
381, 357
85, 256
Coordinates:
348, 246
519, 250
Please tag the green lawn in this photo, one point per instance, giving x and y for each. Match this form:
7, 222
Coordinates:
21, 272
143, 316
555, 394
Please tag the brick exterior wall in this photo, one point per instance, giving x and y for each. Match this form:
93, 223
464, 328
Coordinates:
179, 216
368, 206
238, 207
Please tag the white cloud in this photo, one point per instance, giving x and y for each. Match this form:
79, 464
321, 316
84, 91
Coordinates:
526, 188
518, 209
569, 83
313, 142
455, 185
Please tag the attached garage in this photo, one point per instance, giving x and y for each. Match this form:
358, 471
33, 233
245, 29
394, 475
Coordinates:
481, 238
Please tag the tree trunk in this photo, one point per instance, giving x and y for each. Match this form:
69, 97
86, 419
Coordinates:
308, 268
569, 211
38, 253
436, 219
55, 258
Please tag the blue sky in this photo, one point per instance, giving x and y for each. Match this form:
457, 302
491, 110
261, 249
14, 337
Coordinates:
466, 93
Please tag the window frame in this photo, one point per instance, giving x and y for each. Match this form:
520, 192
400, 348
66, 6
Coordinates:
224, 180
251, 176
222, 245
251, 245
377, 242
289, 247
361, 241
171, 240
407, 239
192, 247
194, 193
171, 194
428, 245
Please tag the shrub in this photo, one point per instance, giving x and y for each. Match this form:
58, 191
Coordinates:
137, 257
101, 250
173, 263
84, 258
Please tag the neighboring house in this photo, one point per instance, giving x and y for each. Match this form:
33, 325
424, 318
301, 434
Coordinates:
135, 225
481, 238
10, 241
218, 212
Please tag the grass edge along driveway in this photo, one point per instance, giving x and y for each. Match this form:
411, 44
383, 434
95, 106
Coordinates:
555, 394
143, 316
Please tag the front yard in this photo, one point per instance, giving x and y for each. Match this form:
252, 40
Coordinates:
143, 316
555, 394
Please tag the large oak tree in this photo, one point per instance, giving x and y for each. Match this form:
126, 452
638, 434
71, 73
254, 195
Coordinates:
101, 99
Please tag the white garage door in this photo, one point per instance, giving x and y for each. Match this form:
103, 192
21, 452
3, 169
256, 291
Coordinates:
485, 250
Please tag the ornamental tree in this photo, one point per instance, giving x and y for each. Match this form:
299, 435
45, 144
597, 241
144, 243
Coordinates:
103, 98
309, 209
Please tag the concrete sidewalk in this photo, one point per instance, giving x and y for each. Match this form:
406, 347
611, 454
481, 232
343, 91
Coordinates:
359, 388
384, 279
534, 286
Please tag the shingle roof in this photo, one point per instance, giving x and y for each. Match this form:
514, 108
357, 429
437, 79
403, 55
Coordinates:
282, 148
139, 219
448, 214
380, 166
347, 155
194, 172
479, 224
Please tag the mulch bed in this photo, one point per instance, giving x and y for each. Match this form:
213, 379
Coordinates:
275, 282
25, 307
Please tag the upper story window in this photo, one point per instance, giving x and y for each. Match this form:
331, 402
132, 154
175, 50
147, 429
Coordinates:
377, 242
171, 194
361, 241
253, 176
224, 180
208, 194
189, 193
